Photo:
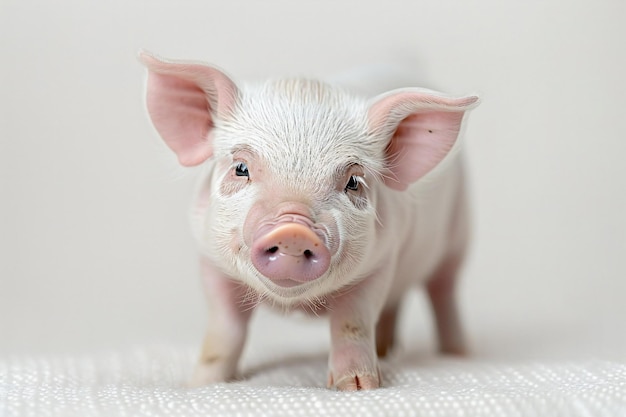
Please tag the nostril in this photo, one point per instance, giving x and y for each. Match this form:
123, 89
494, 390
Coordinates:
273, 249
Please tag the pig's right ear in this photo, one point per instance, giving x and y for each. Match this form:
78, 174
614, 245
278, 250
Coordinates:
183, 100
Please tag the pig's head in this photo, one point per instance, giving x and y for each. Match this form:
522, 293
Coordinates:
296, 168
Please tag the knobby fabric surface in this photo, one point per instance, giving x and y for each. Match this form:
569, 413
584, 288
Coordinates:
150, 381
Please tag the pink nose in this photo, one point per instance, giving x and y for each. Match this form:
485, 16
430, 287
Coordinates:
290, 254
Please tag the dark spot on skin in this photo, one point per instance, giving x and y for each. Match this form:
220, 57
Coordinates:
211, 358
430, 131
353, 331
316, 244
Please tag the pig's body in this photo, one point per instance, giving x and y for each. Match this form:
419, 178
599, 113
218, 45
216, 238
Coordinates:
310, 200
420, 228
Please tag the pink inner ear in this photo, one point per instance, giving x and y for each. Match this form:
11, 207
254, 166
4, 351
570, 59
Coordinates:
420, 142
180, 113
182, 99
422, 127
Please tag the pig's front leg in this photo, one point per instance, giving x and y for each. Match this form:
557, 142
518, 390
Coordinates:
353, 363
227, 328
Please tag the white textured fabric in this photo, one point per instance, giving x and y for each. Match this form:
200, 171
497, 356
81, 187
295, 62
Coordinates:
149, 381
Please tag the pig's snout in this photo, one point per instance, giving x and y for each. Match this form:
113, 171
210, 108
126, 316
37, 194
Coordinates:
290, 253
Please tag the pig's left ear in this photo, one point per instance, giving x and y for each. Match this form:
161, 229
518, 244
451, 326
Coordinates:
183, 100
421, 126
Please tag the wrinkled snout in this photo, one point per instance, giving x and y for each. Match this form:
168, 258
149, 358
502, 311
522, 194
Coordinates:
290, 253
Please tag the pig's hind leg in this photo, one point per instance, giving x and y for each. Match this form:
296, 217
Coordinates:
441, 292
386, 330
227, 328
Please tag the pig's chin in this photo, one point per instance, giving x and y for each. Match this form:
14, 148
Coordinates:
290, 292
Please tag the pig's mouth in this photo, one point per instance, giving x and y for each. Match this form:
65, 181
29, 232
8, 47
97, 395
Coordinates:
288, 291
287, 283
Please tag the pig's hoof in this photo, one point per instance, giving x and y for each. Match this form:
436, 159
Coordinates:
205, 375
360, 381
454, 349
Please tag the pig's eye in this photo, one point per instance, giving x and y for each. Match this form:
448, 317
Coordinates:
241, 170
353, 184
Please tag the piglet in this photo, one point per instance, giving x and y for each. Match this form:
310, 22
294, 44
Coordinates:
313, 197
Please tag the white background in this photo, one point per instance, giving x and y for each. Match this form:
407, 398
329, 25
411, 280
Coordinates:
95, 251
